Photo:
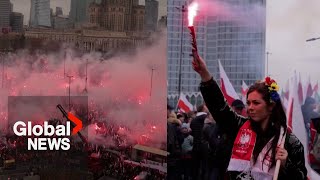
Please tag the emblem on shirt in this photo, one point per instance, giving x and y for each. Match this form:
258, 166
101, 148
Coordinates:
245, 138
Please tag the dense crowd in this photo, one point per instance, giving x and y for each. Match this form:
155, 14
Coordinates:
199, 148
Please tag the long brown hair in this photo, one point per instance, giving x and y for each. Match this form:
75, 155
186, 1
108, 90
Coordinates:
277, 120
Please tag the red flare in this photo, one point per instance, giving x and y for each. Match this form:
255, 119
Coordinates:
192, 12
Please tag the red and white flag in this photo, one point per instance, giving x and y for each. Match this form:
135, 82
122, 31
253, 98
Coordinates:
300, 91
226, 86
286, 92
296, 124
309, 90
315, 88
285, 96
183, 104
244, 90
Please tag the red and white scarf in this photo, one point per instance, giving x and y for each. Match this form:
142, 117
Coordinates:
242, 154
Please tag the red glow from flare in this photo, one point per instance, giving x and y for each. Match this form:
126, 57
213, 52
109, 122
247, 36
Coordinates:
192, 12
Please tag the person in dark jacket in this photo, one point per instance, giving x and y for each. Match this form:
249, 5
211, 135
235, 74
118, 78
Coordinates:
256, 148
196, 126
215, 148
238, 106
308, 113
174, 142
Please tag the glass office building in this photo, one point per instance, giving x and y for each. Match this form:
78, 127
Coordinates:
236, 39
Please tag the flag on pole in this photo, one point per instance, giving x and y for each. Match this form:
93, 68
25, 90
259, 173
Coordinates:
226, 86
315, 89
309, 91
183, 104
296, 123
300, 91
286, 92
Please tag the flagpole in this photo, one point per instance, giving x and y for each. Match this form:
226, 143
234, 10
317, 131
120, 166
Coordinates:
278, 163
179, 96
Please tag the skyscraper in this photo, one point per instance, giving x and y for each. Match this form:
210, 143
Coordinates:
151, 15
240, 46
16, 22
40, 13
5, 11
119, 15
79, 10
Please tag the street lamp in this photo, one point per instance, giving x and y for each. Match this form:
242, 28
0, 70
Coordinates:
69, 91
152, 69
313, 39
85, 88
183, 9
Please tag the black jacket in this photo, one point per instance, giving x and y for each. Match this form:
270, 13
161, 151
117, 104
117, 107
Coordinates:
174, 141
196, 126
218, 146
231, 122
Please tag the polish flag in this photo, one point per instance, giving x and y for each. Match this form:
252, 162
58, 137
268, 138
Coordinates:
285, 96
226, 86
309, 91
295, 122
286, 92
244, 90
315, 88
300, 91
183, 104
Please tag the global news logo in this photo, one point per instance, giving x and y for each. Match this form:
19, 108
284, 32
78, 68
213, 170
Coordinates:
47, 136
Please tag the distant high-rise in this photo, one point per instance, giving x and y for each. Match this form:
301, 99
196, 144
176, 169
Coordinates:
40, 13
151, 14
162, 23
79, 10
61, 22
16, 22
120, 15
59, 11
11, 7
239, 46
5, 11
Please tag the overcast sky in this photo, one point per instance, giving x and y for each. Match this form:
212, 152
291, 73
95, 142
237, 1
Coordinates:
289, 24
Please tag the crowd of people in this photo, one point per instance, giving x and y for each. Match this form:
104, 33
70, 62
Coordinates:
85, 158
197, 145
222, 141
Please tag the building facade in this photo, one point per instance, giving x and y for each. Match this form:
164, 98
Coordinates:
79, 11
151, 15
117, 15
162, 23
239, 45
61, 22
91, 40
59, 11
5, 11
16, 22
40, 13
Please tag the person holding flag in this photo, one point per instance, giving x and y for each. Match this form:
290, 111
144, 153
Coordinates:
262, 146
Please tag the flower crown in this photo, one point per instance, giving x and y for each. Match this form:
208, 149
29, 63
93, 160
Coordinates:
273, 88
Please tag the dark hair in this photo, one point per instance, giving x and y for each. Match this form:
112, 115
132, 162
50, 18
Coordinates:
200, 108
238, 104
277, 120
